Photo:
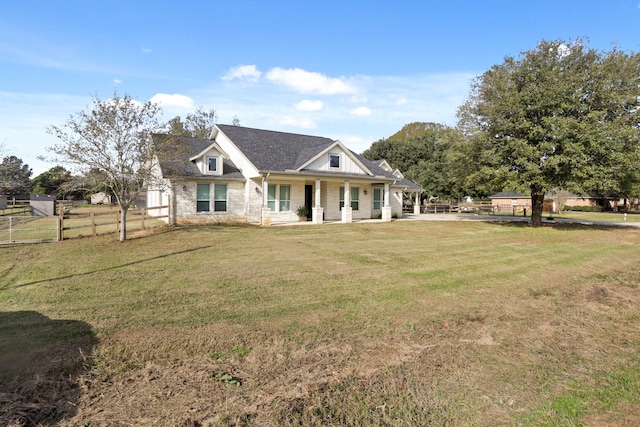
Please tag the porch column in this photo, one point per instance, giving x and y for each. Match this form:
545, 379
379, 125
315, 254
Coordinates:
265, 219
347, 212
416, 205
386, 209
317, 211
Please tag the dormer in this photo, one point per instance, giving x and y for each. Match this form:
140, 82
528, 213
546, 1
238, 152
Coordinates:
210, 160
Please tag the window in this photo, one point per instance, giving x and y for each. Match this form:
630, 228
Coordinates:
377, 198
271, 197
285, 198
212, 164
203, 197
279, 196
355, 198
334, 160
220, 198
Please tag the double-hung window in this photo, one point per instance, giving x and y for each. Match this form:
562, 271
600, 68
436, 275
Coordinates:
220, 198
285, 198
377, 198
355, 198
203, 198
271, 197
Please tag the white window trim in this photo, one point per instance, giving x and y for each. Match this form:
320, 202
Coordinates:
276, 201
206, 165
339, 160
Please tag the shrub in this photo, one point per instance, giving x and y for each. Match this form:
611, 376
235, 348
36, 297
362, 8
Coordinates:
584, 208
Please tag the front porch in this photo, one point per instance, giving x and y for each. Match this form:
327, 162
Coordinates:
324, 200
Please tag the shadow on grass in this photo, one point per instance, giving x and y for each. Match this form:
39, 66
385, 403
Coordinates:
126, 264
564, 225
41, 361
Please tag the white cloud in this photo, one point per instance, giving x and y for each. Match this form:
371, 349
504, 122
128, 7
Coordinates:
361, 111
172, 101
308, 105
117, 82
310, 82
145, 50
243, 72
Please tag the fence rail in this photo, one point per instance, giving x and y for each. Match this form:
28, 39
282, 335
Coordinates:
39, 229
73, 225
18, 207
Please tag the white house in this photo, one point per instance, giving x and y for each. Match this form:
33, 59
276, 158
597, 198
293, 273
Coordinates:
258, 176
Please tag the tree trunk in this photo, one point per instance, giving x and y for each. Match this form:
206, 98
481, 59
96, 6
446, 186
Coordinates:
123, 224
537, 203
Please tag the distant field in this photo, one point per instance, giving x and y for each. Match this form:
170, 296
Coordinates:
407, 323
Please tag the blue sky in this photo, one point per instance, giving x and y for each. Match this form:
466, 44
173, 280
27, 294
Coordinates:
356, 70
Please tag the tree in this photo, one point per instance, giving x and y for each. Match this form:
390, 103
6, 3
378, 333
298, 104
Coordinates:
559, 197
560, 115
14, 177
113, 138
198, 124
420, 151
55, 181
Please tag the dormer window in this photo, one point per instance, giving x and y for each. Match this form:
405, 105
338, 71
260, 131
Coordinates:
334, 161
212, 164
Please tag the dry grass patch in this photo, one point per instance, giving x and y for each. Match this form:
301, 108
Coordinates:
368, 324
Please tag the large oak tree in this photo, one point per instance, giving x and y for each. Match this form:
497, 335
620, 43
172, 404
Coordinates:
560, 115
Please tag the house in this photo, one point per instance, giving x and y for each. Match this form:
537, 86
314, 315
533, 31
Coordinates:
247, 175
509, 200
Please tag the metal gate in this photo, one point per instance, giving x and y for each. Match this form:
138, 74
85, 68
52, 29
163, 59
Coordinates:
28, 229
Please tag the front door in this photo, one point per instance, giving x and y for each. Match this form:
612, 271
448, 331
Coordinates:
308, 199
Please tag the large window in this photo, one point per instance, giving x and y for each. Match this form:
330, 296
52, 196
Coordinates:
203, 198
220, 198
377, 198
355, 198
280, 196
285, 198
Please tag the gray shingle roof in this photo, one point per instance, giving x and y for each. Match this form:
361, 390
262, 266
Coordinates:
275, 151
174, 153
267, 150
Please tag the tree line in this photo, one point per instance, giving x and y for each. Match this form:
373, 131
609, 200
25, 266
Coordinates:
559, 117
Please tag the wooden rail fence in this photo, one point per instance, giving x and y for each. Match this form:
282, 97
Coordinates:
70, 225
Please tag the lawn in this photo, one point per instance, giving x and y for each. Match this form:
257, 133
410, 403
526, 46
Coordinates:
407, 323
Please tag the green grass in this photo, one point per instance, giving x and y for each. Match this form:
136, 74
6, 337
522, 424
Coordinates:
407, 323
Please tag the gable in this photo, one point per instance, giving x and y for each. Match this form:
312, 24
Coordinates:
336, 158
269, 151
210, 160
